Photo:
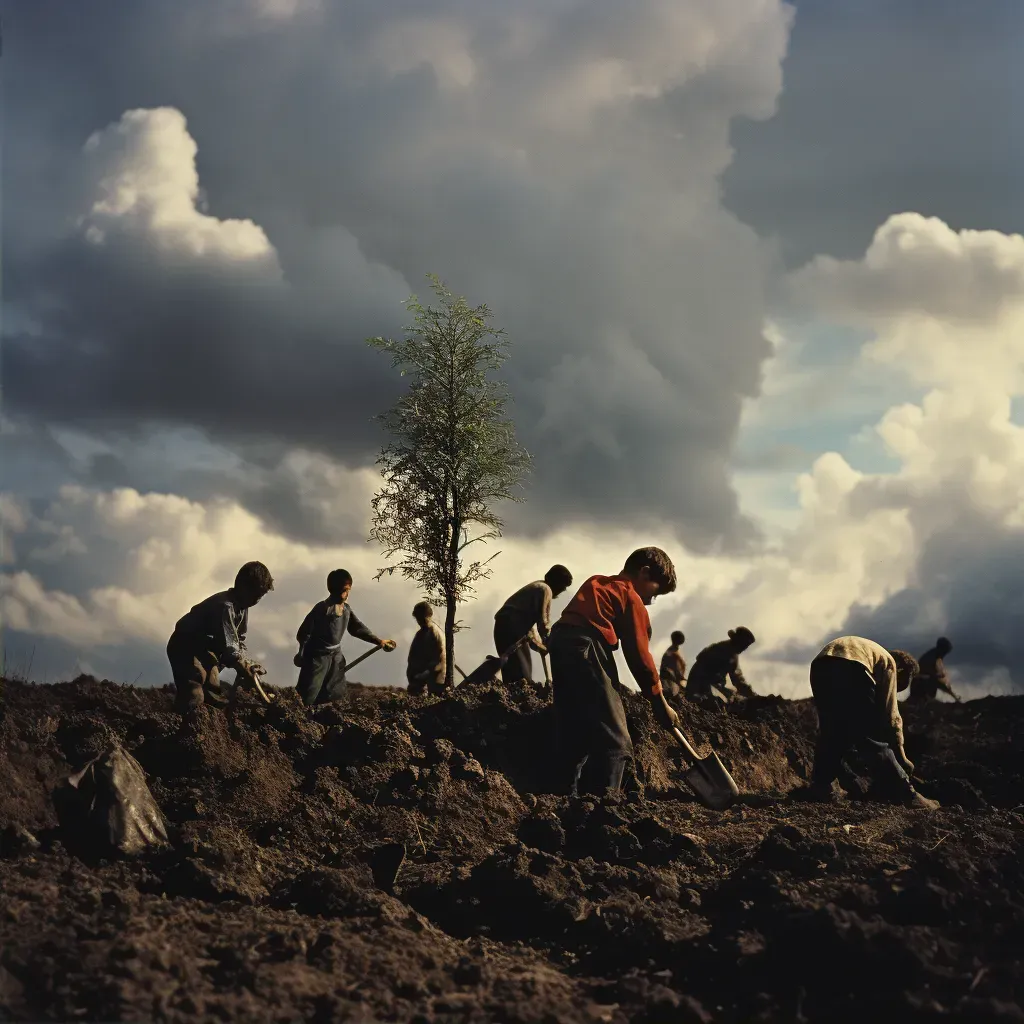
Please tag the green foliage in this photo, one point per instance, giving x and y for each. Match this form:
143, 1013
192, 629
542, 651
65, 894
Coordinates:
452, 454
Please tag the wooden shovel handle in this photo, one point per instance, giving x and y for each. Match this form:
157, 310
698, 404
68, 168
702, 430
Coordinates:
684, 743
363, 657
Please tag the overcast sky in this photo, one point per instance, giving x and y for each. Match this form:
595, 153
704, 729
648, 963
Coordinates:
758, 263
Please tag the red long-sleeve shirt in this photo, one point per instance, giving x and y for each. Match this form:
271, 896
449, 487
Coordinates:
610, 605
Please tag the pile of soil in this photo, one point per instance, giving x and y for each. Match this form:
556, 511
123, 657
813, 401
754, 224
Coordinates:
278, 898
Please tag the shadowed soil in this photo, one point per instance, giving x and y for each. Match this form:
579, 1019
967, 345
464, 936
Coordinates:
278, 900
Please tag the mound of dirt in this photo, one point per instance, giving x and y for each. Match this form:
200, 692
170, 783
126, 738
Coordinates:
405, 859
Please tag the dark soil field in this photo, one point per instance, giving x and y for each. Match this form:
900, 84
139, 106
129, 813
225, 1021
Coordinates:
278, 900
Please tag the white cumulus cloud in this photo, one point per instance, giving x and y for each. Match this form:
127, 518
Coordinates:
928, 547
142, 170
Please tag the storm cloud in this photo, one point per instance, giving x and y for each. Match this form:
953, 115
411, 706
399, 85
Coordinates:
888, 105
230, 202
785, 346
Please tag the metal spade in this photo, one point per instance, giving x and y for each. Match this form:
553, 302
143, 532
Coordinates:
491, 665
708, 777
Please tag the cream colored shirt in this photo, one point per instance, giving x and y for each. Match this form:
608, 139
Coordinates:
531, 605
881, 667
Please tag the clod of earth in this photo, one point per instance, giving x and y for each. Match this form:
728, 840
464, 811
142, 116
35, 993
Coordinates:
398, 858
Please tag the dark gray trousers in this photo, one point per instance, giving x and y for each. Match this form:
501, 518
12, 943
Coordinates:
594, 743
322, 678
507, 630
195, 672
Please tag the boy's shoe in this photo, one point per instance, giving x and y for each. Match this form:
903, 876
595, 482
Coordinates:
922, 803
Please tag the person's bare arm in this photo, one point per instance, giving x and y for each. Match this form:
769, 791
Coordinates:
942, 681
738, 681
440, 661
544, 622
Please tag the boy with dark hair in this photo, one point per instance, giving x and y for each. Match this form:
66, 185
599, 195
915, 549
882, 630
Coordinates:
321, 663
426, 668
211, 636
932, 675
673, 666
528, 612
607, 611
855, 682
718, 660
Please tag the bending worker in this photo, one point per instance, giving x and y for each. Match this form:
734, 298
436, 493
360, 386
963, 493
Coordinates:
527, 614
717, 661
855, 682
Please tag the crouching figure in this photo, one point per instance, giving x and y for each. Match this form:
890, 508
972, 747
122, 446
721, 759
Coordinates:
211, 637
855, 682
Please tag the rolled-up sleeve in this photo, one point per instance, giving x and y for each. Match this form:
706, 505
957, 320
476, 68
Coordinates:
232, 655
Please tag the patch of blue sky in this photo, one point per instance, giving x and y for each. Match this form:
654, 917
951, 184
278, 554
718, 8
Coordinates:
819, 396
1017, 410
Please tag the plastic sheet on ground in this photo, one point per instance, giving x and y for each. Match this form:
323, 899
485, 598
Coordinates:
107, 805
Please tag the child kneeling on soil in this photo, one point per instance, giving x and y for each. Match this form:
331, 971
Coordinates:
606, 611
425, 671
855, 682
211, 636
321, 663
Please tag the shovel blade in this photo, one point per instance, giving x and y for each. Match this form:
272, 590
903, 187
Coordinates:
488, 670
711, 782
385, 863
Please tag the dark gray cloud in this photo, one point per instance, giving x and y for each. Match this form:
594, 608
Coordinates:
52, 659
300, 494
888, 106
572, 186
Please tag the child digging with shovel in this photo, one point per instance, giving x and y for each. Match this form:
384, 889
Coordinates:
320, 661
607, 611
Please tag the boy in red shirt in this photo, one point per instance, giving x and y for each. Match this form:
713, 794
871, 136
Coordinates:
607, 611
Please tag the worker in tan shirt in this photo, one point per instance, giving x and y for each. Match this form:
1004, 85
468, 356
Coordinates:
855, 682
526, 616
